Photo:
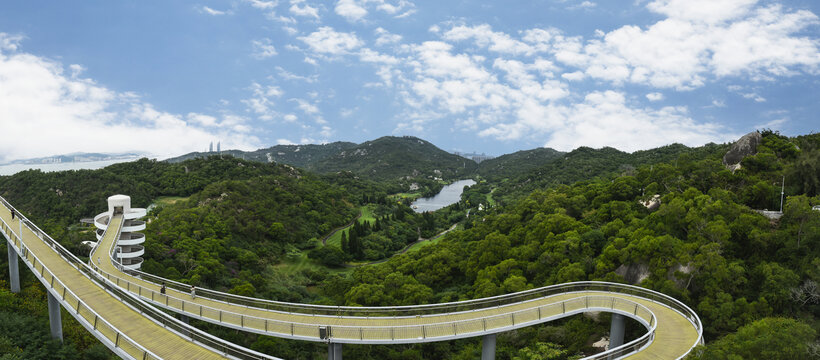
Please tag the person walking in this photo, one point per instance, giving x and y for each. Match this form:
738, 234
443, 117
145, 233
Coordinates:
193, 292
162, 289
12, 214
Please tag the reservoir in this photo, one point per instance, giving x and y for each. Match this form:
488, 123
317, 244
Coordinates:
448, 195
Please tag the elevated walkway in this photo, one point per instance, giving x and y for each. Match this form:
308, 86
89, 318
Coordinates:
115, 304
673, 328
126, 325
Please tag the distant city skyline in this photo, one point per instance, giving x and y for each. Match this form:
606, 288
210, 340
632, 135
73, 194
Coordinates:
167, 77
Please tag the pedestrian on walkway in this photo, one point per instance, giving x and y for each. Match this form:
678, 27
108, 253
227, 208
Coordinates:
193, 292
12, 214
162, 289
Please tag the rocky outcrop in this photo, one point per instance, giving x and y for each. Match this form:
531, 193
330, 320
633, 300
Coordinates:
743, 147
652, 204
634, 273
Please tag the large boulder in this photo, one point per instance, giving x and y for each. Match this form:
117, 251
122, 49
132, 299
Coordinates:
743, 147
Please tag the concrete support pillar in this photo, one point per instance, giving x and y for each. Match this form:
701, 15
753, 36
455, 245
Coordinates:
54, 317
488, 347
14, 271
334, 351
616, 331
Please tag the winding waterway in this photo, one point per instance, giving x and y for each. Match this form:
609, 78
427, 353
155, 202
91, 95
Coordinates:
448, 195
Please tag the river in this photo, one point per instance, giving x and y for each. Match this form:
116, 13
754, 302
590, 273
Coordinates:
448, 195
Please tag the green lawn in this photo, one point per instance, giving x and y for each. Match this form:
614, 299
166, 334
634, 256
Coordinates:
415, 247
299, 262
367, 215
168, 200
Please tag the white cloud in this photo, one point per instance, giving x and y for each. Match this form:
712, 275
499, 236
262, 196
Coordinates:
290, 30
303, 10
328, 41
754, 96
584, 5
655, 96
78, 115
350, 10
261, 101
774, 124
290, 118
385, 37
574, 76
284, 142
287, 75
356, 10
604, 119
306, 107
213, 12
263, 48
263, 5
699, 39
10, 42
485, 37
718, 103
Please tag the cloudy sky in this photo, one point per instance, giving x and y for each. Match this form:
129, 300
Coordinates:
168, 77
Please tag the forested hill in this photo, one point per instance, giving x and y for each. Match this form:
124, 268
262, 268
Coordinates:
510, 166
302, 156
585, 163
392, 158
752, 281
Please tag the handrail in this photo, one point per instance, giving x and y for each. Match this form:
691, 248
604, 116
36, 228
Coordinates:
98, 322
342, 333
162, 318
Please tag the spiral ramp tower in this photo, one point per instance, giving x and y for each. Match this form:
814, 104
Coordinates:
129, 249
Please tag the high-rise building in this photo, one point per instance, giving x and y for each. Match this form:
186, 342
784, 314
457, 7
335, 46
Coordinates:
211, 147
218, 147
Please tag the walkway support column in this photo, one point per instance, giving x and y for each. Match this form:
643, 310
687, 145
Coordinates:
488, 347
14, 271
54, 317
334, 351
616, 331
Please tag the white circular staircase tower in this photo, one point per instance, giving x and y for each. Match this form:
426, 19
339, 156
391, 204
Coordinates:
130, 249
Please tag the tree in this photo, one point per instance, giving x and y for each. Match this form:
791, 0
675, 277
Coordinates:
768, 338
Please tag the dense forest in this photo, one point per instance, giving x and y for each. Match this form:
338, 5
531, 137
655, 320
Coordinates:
243, 226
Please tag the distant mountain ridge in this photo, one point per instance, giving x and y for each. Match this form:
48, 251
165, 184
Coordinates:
302, 156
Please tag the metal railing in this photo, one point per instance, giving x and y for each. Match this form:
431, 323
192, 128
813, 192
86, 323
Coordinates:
77, 308
409, 333
398, 333
167, 321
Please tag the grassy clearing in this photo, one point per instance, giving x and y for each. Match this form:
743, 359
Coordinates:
297, 264
168, 200
299, 261
415, 247
367, 215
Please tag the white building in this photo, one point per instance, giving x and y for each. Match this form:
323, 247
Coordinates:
129, 243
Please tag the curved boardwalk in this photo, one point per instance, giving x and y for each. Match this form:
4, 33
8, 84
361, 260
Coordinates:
142, 330
674, 336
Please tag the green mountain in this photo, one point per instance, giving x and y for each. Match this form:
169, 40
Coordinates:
302, 156
397, 158
517, 163
585, 163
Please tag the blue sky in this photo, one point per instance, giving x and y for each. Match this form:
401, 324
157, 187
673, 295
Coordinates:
168, 77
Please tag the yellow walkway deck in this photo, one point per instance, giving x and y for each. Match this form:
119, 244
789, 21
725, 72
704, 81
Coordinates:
675, 334
145, 332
